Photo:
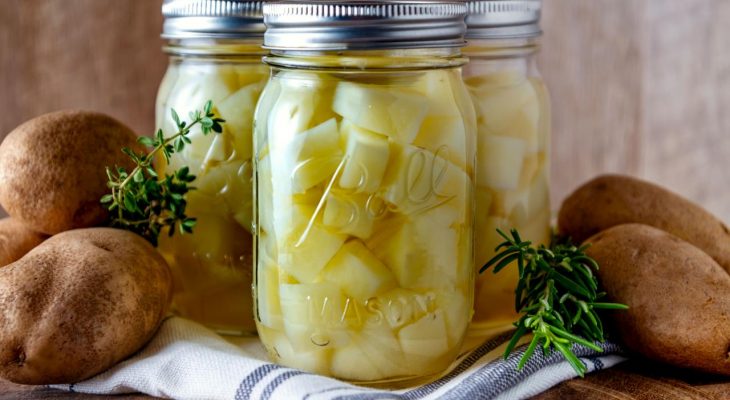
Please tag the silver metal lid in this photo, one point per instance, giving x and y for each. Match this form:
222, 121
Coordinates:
503, 19
363, 24
220, 19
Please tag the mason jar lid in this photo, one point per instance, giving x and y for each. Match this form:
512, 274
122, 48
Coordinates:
217, 19
363, 24
503, 19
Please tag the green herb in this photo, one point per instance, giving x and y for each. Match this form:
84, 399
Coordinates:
557, 295
143, 202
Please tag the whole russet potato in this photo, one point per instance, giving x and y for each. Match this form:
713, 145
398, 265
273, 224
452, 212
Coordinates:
612, 200
52, 169
79, 303
678, 296
16, 240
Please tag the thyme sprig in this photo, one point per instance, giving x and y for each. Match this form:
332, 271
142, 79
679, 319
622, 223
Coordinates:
557, 294
143, 202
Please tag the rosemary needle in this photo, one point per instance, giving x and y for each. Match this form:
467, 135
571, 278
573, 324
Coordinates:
557, 295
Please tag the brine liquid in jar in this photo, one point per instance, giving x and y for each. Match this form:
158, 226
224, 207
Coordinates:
213, 267
513, 147
364, 182
365, 223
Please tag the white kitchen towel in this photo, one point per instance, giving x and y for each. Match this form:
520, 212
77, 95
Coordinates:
187, 361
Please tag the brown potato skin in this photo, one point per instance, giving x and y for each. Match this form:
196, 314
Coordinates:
679, 308
79, 303
16, 240
52, 169
611, 200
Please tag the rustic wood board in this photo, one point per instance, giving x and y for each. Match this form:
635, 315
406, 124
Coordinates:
102, 55
641, 87
638, 86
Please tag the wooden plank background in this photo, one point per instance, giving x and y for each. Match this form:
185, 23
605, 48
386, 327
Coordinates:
638, 86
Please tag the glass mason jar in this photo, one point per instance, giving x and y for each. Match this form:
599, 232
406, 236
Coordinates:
217, 60
364, 166
513, 143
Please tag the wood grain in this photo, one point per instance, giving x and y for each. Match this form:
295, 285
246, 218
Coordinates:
638, 86
592, 62
641, 380
102, 55
641, 87
686, 102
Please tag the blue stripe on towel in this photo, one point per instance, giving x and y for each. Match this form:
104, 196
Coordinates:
269, 389
597, 363
465, 364
249, 383
486, 382
500, 375
423, 391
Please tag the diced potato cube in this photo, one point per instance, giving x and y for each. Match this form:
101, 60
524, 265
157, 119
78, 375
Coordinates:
314, 315
457, 313
238, 110
425, 250
215, 181
396, 114
500, 162
417, 180
309, 158
208, 150
352, 214
436, 86
425, 339
320, 86
220, 150
320, 141
524, 125
307, 249
523, 204
366, 159
358, 272
291, 113
194, 88
353, 364
314, 171
445, 136
231, 185
497, 106
315, 360
383, 349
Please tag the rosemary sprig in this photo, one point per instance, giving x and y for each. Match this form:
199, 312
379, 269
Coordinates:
143, 202
557, 295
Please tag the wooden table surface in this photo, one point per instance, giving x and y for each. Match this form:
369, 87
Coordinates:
638, 86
